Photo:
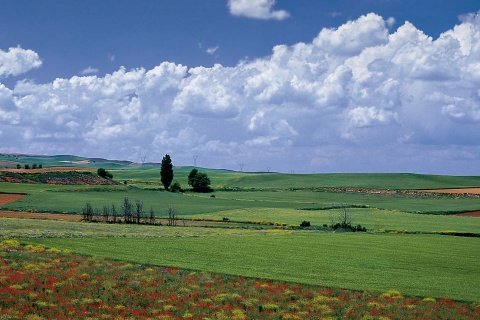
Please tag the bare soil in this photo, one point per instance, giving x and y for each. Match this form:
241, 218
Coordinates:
455, 191
49, 216
7, 198
49, 169
470, 214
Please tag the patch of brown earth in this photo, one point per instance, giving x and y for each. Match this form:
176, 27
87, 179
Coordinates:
49, 216
7, 198
455, 191
49, 169
469, 214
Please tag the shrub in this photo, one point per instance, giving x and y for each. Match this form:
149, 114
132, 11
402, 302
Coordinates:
175, 187
305, 224
104, 173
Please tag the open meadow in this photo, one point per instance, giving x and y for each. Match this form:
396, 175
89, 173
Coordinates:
416, 250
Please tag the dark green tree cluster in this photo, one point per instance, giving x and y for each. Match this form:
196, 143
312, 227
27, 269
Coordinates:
104, 173
27, 166
199, 181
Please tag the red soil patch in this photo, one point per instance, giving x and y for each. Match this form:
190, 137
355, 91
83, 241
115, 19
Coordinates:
455, 191
7, 198
469, 214
49, 216
7, 163
49, 169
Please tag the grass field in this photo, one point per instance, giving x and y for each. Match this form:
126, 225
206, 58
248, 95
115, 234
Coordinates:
62, 199
423, 265
389, 256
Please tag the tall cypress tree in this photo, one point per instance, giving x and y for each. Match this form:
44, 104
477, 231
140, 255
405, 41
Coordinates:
166, 172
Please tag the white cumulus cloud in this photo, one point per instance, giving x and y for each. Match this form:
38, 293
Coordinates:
258, 9
16, 61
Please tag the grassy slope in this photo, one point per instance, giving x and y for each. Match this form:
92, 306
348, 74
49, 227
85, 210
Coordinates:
425, 265
48, 198
371, 219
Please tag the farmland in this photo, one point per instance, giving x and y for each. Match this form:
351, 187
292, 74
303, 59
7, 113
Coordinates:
415, 243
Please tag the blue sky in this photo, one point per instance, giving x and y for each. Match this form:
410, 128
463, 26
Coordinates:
292, 86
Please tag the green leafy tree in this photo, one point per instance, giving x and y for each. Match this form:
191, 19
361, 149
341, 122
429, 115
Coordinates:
191, 176
104, 173
166, 172
201, 182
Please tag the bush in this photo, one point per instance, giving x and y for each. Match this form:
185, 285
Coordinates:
104, 173
305, 224
175, 187
348, 226
201, 183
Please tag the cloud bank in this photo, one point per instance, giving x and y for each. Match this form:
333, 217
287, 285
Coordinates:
355, 98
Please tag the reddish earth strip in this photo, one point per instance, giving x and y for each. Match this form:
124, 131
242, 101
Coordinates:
49, 216
49, 169
455, 191
470, 214
7, 198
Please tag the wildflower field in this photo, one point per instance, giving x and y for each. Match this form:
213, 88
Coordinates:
41, 283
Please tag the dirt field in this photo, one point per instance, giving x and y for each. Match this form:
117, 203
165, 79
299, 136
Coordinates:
49, 216
7, 198
470, 214
49, 169
455, 191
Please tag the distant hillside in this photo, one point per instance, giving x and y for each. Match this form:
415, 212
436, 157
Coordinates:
8, 160
228, 179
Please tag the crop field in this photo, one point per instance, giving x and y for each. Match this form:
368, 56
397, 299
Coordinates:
45, 283
417, 255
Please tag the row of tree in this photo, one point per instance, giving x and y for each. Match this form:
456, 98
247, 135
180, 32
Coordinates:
27, 166
128, 212
199, 181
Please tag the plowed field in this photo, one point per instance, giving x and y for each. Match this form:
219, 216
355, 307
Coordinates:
455, 191
7, 198
49, 169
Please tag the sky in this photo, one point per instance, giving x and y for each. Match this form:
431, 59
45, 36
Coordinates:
295, 86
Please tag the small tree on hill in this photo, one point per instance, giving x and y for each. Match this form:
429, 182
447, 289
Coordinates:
166, 172
191, 176
201, 183
104, 173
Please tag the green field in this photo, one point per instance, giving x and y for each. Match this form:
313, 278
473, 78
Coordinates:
423, 265
403, 248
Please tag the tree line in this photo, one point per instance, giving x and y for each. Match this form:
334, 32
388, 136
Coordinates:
128, 212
